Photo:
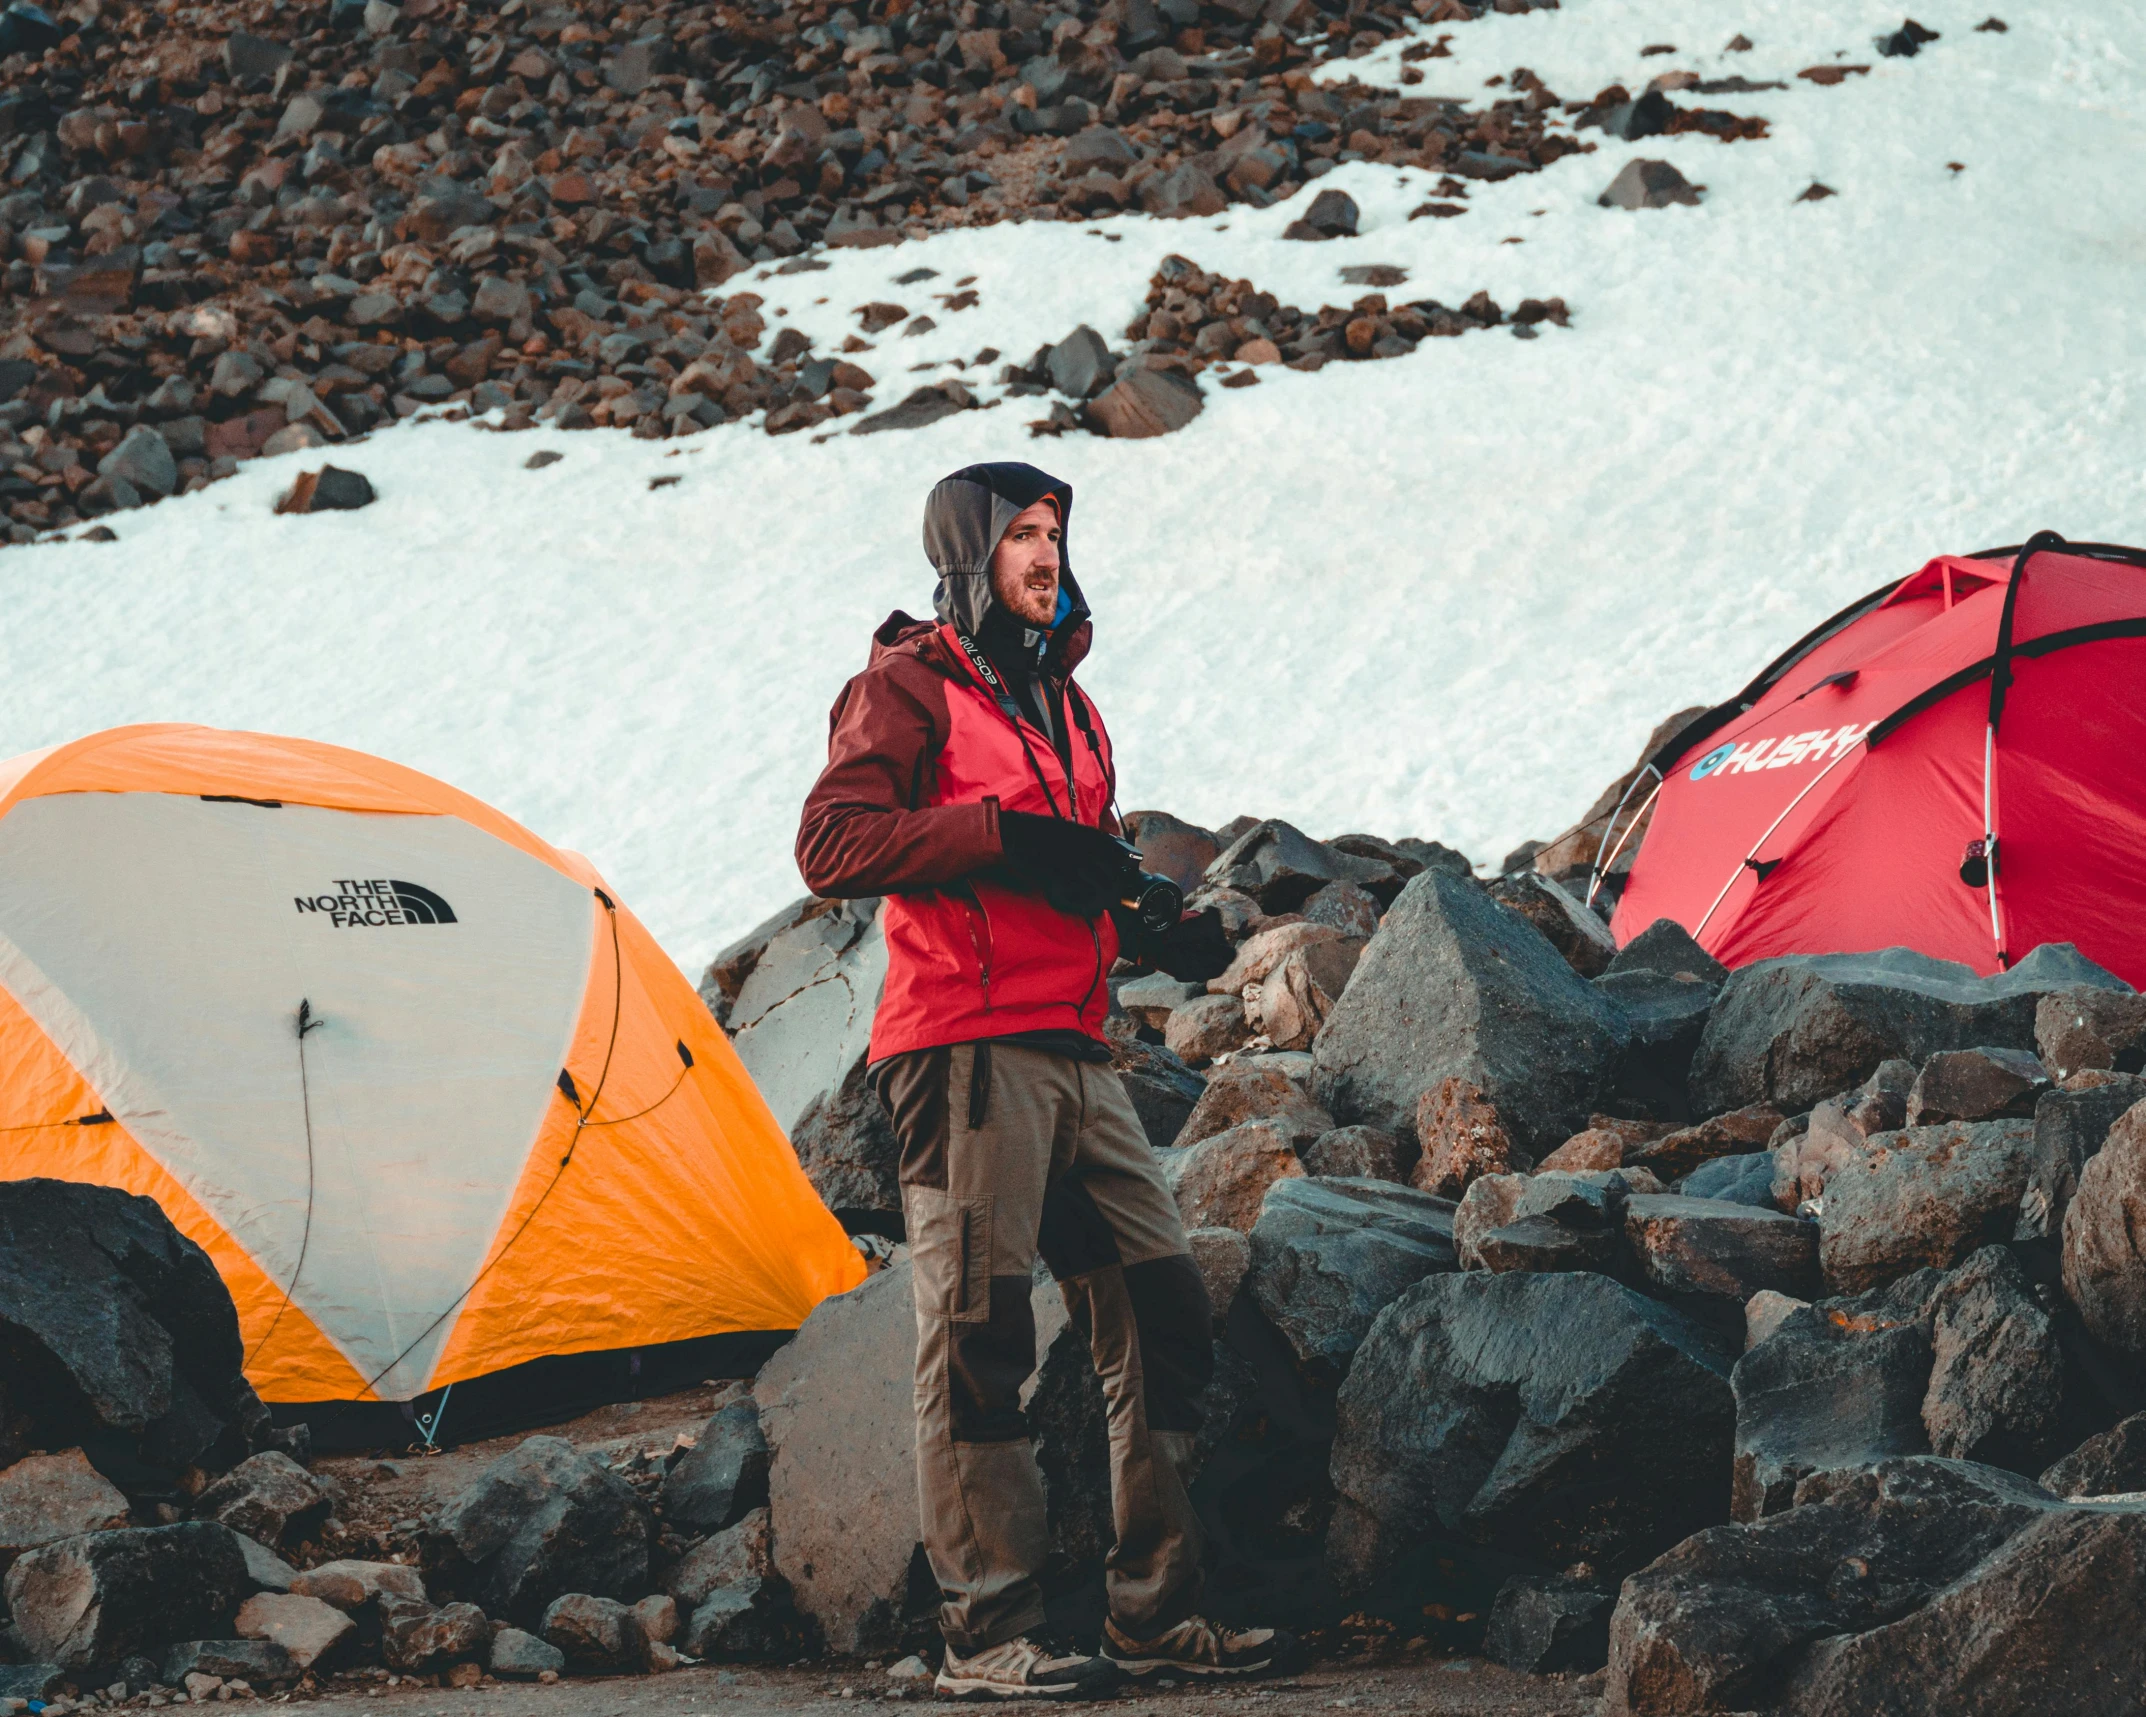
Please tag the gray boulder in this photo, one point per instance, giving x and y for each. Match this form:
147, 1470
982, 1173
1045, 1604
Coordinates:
269, 1497
1454, 985
1356, 1153
802, 1025
1281, 867
747, 1622
1752, 1614
1545, 1623
1925, 1195
1328, 1255
1665, 1016
1703, 1246
1747, 1179
2069, 1127
1997, 1369
740, 1553
143, 459
599, 1636
2112, 1463
1836, 1386
521, 1656
416, 1638
837, 1408
129, 1333
723, 1476
27, 1681
1560, 1418
2105, 1239
1665, 947
542, 1520
106, 1595
1793, 1030
45, 1498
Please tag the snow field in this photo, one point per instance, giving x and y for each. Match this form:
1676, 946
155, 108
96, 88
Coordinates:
1444, 595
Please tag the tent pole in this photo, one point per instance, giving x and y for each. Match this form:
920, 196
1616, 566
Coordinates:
1744, 863
1601, 865
1989, 837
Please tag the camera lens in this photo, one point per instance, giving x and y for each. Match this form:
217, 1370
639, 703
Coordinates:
1159, 904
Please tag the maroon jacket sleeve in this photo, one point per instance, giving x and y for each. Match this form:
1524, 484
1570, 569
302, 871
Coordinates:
865, 830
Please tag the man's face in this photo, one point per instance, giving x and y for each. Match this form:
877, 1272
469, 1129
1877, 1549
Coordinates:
1024, 566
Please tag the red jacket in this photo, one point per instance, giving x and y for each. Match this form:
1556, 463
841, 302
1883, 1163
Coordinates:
920, 759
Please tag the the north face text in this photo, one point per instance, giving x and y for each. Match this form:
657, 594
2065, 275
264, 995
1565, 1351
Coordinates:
361, 903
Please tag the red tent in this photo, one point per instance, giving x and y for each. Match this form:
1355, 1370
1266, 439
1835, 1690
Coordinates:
1954, 764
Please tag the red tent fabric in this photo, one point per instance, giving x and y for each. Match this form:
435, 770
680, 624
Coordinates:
1836, 804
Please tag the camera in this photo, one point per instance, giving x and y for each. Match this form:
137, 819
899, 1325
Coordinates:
1156, 901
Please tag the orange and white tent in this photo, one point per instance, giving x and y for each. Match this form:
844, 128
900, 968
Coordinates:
434, 1102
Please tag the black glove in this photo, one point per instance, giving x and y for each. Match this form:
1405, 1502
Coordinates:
1192, 950
1078, 869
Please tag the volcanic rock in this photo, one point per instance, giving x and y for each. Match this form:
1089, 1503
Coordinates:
1997, 1372
306, 1628
599, 1636
45, 1498
1925, 1195
1793, 1030
542, 1520
1204, 1028
103, 1596
2112, 1463
269, 1497
1702, 1246
2077, 1030
1328, 1255
1976, 1085
1463, 1138
1838, 1385
1544, 1623
2069, 1127
1455, 986
723, 1476
1362, 1153
1253, 1089
1221, 1181
130, 1333
1648, 185
2105, 1239
1562, 1418
1144, 403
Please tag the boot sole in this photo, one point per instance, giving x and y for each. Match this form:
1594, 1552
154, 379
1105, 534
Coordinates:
1176, 1666
966, 1687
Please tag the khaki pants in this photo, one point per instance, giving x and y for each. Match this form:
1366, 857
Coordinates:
1008, 1152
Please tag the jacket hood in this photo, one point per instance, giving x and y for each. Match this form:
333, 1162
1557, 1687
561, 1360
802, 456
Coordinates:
964, 517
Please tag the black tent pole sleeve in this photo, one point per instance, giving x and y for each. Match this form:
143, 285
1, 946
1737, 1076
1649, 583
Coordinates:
2001, 657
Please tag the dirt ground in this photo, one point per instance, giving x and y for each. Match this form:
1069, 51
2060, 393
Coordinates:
1418, 1687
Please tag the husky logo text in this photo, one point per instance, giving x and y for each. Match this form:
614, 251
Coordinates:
366, 903
1819, 745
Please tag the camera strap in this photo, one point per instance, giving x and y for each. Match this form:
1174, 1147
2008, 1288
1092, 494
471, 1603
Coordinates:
997, 688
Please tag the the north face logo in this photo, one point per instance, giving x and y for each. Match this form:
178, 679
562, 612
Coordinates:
367, 902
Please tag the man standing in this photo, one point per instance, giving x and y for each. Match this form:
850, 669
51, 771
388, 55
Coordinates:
970, 781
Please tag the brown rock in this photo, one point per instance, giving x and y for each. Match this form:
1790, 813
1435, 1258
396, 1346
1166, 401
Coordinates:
1734, 1134
2105, 1238
1258, 350
1487, 1206
1250, 1091
1261, 952
1298, 995
1145, 403
1597, 1148
305, 1627
1221, 1182
1205, 1028
2085, 1029
1463, 1139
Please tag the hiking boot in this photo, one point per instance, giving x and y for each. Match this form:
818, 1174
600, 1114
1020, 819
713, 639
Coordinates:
1024, 1669
1197, 1646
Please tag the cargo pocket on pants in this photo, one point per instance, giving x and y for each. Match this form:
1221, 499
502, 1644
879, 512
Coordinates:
950, 1252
